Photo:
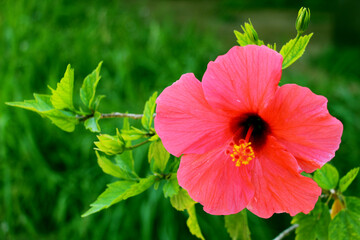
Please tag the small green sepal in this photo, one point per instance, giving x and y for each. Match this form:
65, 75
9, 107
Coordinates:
110, 145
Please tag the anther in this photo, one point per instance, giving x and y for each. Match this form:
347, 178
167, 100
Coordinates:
241, 153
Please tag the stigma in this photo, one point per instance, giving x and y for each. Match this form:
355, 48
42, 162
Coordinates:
241, 153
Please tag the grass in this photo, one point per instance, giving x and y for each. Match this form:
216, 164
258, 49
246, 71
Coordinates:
48, 177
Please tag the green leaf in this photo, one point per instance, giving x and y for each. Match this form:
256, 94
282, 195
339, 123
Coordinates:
148, 114
64, 120
193, 224
346, 180
314, 225
62, 97
88, 89
237, 226
181, 200
133, 134
305, 174
154, 138
171, 187
346, 224
158, 156
249, 35
125, 161
112, 169
112, 195
93, 123
294, 49
42, 105
118, 191
327, 177
97, 101
174, 165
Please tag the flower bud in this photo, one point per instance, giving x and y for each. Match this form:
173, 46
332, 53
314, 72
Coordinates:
110, 145
250, 32
302, 20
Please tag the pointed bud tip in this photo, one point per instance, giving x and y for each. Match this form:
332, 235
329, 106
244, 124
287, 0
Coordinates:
302, 20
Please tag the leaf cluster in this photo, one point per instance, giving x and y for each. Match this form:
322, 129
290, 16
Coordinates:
291, 51
59, 106
342, 222
338, 217
162, 165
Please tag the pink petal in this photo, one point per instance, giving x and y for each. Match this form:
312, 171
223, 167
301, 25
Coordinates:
278, 185
244, 79
185, 122
214, 181
300, 121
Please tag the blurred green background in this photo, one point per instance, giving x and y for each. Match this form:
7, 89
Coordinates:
48, 177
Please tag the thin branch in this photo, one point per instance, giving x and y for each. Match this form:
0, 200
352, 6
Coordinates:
112, 115
121, 115
138, 145
286, 232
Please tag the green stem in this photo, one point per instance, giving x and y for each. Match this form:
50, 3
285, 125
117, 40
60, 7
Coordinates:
166, 176
286, 232
112, 115
137, 145
121, 115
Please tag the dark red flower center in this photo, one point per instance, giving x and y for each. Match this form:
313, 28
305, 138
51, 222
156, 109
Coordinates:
242, 125
249, 133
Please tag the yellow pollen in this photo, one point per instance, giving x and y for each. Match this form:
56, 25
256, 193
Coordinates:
242, 154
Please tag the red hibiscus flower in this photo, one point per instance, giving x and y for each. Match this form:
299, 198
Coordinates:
243, 139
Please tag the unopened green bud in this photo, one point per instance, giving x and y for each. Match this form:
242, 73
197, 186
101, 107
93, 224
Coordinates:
110, 145
250, 32
302, 20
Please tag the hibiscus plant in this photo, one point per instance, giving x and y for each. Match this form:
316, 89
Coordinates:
233, 142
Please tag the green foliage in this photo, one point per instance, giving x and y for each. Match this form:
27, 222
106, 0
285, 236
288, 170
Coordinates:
302, 20
327, 177
346, 180
39, 39
148, 114
193, 224
237, 226
42, 105
88, 89
62, 97
118, 191
133, 134
171, 187
249, 35
346, 224
53, 106
64, 24
314, 225
110, 145
125, 161
158, 156
181, 200
294, 49
345, 211
92, 123
124, 171
97, 101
